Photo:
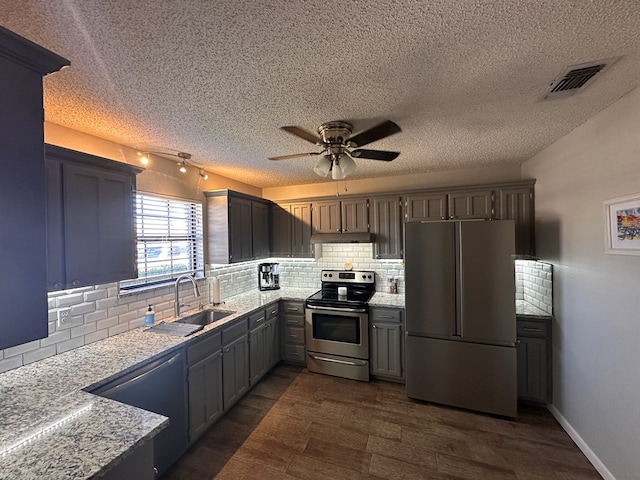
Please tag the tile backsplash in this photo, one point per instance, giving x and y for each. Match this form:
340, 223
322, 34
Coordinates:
534, 284
98, 312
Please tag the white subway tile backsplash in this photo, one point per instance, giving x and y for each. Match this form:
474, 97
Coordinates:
95, 336
39, 354
20, 349
534, 284
69, 344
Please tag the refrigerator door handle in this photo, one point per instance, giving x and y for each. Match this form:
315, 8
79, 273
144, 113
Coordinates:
459, 283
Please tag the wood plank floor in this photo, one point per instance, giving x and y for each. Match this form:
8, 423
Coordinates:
301, 425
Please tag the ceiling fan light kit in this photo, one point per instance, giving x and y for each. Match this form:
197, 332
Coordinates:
337, 142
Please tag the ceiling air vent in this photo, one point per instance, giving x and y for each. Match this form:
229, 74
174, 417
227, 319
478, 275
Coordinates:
576, 77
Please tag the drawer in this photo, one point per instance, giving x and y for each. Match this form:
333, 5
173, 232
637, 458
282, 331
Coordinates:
294, 353
256, 319
234, 330
204, 347
294, 307
273, 311
294, 335
295, 320
390, 315
532, 328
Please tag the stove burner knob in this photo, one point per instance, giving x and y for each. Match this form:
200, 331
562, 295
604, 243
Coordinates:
364, 277
369, 277
330, 275
325, 275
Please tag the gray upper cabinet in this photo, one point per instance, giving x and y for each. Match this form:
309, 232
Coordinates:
516, 203
291, 230
386, 225
471, 204
349, 215
238, 227
90, 223
23, 222
425, 206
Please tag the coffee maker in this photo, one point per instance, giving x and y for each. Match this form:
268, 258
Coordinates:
269, 276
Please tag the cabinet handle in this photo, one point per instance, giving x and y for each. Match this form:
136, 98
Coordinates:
518, 340
292, 309
75, 283
58, 285
226, 350
386, 316
273, 312
338, 230
531, 329
374, 326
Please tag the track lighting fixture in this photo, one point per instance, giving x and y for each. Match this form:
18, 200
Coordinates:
185, 161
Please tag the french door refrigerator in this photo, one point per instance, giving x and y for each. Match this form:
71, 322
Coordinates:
460, 314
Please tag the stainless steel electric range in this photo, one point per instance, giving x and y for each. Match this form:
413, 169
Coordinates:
337, 324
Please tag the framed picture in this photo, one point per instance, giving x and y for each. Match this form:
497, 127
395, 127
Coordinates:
622, 225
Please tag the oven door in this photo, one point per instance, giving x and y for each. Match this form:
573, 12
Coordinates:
336, 331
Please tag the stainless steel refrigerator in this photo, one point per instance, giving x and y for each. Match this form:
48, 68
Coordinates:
460, 314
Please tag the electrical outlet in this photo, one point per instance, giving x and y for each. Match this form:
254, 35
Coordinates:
64, 317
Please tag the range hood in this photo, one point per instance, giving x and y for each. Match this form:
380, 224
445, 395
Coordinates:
342, 238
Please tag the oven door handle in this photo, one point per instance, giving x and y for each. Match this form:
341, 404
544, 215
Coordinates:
338, 309
334, 360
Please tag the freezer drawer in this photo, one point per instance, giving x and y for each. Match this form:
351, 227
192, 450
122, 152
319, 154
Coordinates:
461, 374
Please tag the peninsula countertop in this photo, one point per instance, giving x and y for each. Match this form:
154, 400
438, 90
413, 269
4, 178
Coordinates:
50, 428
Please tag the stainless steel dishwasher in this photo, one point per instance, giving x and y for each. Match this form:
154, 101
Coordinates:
160, 387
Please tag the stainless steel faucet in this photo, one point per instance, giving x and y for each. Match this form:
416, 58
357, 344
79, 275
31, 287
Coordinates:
196, 292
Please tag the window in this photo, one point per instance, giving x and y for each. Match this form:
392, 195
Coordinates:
169, 239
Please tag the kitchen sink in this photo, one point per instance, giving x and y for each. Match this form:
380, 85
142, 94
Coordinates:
205, 317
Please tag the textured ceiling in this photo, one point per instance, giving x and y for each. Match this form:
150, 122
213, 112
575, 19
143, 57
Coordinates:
217, 78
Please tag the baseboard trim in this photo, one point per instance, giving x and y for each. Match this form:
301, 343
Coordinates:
582, 445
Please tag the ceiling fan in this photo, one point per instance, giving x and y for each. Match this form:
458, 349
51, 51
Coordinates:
338, 146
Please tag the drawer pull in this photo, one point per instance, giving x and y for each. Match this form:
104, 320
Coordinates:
387, 316
292, 309
531, 329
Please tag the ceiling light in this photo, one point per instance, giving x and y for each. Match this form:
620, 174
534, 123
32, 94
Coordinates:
182, 168
336, 171
144, 158
203, 175
347, 165
323, 166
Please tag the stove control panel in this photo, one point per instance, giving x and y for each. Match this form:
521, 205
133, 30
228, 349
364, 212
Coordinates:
348, 276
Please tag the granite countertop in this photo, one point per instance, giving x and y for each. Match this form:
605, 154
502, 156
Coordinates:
394, 300
91, 434
525, 309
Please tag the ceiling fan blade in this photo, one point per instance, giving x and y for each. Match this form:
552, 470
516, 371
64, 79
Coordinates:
375, 154
378, 132
295, 155
303, 134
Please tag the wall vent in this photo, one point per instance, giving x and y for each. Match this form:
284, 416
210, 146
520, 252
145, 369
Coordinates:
576, 77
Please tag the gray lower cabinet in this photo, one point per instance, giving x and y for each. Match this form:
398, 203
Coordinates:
235, 362
386, 335
534, 359
204, 376
257, 346
293, 332
272, 335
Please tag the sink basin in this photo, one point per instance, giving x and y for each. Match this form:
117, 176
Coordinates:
205, 317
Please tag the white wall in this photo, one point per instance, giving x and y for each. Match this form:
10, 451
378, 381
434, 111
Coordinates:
596, 355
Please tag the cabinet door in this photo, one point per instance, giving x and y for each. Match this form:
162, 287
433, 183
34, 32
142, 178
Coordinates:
235, 371
326, 217
532, 369
281, 230
387, 227
257, 354
386, 354
240, 243
517, 204
355, 215
98, 225
56, 270
272, 344
475, 204
205, 394
260, 229
301, 230
425, 207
